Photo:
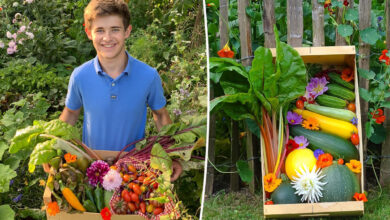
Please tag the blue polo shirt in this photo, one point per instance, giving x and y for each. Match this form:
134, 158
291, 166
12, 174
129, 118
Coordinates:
114, 109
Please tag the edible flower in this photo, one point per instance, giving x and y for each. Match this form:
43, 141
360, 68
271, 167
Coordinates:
69, 158
301, 141
52, 208
271, 182
226, 51
112, 180
307, 183
346, 3
324, 160
347, 74
97, 171
317, 86
354, 165
105, 213
384, 58
311, 124
354, 121
294, 118
290, 146
378, 116
317, 153
269, 202
360, 197
327, 4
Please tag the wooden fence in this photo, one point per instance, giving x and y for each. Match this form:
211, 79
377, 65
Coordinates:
295, 33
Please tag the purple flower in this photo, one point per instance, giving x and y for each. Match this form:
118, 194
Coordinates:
354, 121
177, 112
11, 182
17, 198
318, 152
301, 141
97, 171
293, 118
380, 18
317, 86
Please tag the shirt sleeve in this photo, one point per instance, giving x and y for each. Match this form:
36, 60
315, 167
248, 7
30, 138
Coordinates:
73, 97
156, 99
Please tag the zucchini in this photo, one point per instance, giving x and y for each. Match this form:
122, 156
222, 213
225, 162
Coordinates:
336, 78
342, 114
331, 101
341, 92
337, 127
329, 143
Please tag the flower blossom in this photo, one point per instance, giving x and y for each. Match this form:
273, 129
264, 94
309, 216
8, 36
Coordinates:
354, 165
360, 197
308, 184
97, 171
290, 146
30, 35
317, 153
311, 124
105, 213
384, 58
324, 160
52, 208
29, 1
112, 180
378, 116
69, 158
226, 51
271, 182
317, 86
294, 118
347, 74
1, 44
301, 141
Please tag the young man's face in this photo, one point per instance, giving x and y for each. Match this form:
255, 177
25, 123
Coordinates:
108, 36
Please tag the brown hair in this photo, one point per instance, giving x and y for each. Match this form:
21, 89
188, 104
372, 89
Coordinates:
96, 8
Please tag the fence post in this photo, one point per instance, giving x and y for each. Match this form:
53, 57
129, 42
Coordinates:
294, 23
268, 23
318, 24
385, 162
364, 63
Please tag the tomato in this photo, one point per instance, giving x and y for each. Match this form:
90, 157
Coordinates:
158, 210
130, 185
132, 169
131, 206
126, 195
143, 188
155, 203
355, 139
150, 208
133, 176
155, 185
134, 197
137, 189
300, 104
142, 207
340, 161
269, 202
141, 178
351, 107
126, 178
147, 181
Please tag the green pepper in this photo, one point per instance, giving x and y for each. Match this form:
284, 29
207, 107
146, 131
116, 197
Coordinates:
107, 197
89, 206
99, 198
89, 192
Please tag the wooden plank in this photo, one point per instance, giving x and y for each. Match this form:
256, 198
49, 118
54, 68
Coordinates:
385, 161
268, 23
223, 22
294, 23
318, 24
364, 63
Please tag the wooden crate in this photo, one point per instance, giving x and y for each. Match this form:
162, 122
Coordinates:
337, 56
87, 215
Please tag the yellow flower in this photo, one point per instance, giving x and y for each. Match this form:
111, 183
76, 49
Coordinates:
42, 182
271, 182
354, 165
311, 124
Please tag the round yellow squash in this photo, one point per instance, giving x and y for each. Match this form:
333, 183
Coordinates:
297, 158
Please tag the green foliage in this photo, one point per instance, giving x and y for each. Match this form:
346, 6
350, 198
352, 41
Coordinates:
244, 171
6, 212
6, 174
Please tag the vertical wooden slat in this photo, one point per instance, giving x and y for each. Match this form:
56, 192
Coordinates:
385, 162
318, 24
364, 63
223, 22
294, 23
268, 23
246, 51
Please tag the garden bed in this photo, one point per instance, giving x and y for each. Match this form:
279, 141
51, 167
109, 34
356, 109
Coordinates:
335, 56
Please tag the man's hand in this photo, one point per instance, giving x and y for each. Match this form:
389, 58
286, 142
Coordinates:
46, 167
176, 170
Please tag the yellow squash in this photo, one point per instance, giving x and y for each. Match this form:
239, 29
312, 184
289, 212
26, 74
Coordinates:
71, 198
329, 125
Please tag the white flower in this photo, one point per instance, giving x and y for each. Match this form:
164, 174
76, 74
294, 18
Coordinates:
9, 35
29, 1
30, 35
308, 184
15, 4
112, 180
1, 44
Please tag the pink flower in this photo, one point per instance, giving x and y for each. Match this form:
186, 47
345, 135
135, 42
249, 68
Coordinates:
21, 41
14, 36
112, 180
301, 141
10, 50
11, 44
22, 28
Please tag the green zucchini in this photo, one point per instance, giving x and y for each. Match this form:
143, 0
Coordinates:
331, 101
329, 143
341, 92
336, 78
89, 206
342, 114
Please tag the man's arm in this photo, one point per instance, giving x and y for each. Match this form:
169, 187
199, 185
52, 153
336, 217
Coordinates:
161, 118
70, 116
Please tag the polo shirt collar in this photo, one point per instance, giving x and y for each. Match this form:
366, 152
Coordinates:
99, 70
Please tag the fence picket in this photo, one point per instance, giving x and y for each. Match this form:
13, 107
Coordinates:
268, 23
294, 23
318, 24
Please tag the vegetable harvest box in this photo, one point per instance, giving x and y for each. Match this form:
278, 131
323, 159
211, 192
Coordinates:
336, 57
47, 198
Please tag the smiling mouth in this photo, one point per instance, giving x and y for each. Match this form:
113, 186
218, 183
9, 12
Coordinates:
108, 45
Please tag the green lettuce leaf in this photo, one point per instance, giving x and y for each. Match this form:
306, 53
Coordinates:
25, 138
42, 153
6, 174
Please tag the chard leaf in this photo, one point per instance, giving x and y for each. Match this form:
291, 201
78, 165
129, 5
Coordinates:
69, 148
61, 129
25, 138
6, 174
6, 212
192, 165
42, 153
186, 137
3, 148
160, 160
233, 83
169, 129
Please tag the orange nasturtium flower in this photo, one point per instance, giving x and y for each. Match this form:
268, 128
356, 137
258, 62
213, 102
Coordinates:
360, 197
354, 165
384, 58
347, 74
271, 182
324, 160
226, 52
105, 213
70, 158
52, 208
311, 124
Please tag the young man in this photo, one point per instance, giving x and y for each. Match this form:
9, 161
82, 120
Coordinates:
114, 89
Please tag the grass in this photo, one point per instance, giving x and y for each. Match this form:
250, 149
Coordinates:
243, 205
